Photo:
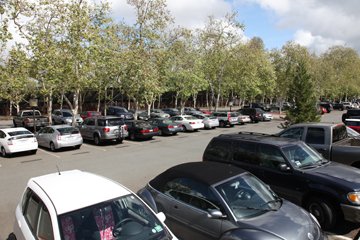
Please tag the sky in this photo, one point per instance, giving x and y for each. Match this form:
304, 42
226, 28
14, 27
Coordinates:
315, 24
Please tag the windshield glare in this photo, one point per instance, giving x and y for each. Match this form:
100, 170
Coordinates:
301, 155
122, 218
247, 196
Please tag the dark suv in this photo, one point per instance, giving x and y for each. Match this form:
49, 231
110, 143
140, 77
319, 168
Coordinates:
120, 112
254, 113
351, 113
328, 190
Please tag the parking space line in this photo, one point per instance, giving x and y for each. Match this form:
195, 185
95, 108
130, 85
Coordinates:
155, 141
51, 154
33, 160
94, 147
132, 142
80, 153
122, 146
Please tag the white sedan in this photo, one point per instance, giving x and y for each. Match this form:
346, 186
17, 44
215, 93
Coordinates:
15, 140
188, 122
74, 205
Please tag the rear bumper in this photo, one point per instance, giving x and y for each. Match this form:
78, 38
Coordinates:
23, 148
70, 143
351, 213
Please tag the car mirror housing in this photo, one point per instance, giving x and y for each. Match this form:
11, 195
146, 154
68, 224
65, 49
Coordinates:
283, 167
215, 213
161, 216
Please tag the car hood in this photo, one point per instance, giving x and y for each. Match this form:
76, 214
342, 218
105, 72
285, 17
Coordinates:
287, 222
339, 173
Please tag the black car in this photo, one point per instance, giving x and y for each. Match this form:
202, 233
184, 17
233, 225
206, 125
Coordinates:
120, 112
208, 200
327, 106
295, 171
139, 129
254, 113
351, 113
166, 126
338, 106
171, 111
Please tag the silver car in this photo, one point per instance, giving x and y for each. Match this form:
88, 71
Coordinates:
210, 122
65, 116
59, 136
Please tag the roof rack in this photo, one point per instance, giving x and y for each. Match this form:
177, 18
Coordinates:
255, 133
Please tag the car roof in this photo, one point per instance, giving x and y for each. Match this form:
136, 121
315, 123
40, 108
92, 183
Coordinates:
75, 189
315, 124
260, 137
7, 130
61, 126
206, 172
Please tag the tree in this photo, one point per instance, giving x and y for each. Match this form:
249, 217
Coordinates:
302, 92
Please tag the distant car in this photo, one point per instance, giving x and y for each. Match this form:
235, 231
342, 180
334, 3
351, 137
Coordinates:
347, 105
15, 140
87, 114
210, 122
188, 122
328, 106
266, 116
351, 113
171, 111
104, 128
59, 136
191, 111
166, 126
242, 119
142, 115
158, 113
254, 113
74, 205
338, 106
207, 200
65, 116
353, 123
120, 112
226, 118
139, 129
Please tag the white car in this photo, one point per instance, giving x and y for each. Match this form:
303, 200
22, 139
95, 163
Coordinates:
74, 205
242, 119
15, 140
210, 122
188, 122
267, 116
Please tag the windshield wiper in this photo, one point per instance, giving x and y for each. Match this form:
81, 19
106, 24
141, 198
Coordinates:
272, 201
252, 208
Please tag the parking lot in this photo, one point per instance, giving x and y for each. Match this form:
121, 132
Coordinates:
132, 163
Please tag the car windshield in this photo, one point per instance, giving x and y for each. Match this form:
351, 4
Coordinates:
68, 130
302, 156
247, 196
67, 114
123, 218
31, 113
190, 118
352, 132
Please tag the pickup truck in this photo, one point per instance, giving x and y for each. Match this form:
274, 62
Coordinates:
330, 139
25, 118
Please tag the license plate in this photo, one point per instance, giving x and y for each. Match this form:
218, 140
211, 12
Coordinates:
151, 130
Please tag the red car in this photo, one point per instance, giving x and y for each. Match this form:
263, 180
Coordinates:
353, 123
87, 114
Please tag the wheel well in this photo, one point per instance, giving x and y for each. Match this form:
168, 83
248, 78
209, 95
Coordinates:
356, 164
326, 197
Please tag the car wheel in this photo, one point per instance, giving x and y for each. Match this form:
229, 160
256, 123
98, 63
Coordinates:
78, 146
3, 152
324, 212
52, 147
222, 124
132, 136
119, 140
160, 132
232, 125
97, 140
33, 151
184, 128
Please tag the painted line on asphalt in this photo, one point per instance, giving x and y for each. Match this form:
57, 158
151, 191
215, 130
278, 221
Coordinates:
132, 142
51, 154
33, 160
123, 146
94, 147
80, 153
155, 141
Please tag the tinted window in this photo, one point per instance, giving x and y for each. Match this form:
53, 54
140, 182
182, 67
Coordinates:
340, 133
245, 152
67, 114
90, 121
114, 122
218, 149
270, 156
295, 133
315, 136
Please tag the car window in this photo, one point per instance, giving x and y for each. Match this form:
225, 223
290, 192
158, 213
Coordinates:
245, 152
68, 130
218, 149
37, 216
191, 192
114, 122
340, 133
2, 134
67, 114
270, 156
90, 122
295, 133
315, 136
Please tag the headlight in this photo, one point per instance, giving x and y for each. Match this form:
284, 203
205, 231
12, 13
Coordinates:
354, 197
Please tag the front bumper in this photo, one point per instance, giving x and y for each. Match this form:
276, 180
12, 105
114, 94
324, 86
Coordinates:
351, 213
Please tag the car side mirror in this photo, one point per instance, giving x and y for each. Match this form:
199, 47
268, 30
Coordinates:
215, 213
284, 167
161, 216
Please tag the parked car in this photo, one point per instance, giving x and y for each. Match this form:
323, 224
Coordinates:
191, 111
74, 205
351, 113
328, 106
65, 116
26, 118
329, 139
266, 116
206, 200
254, 113
139, 129
120, 112
353, 123
15, 140
348, 105
295, 171
142, 115
210, 122
226, 118
188, 122
166, 126
59, 136
104, 128
242, 119
158, 113
338, 106
87, 114
171, 111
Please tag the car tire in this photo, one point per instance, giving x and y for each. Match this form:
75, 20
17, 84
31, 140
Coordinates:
97, 140
78, 146
11, 237
232, 125
132, 136
3, 152
52, 147
160, 132
184, 128
33, 152
119, 140
222, 124
324, 212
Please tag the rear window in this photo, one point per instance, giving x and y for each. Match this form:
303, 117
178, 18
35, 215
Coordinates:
67, 131
20, 132
353, 112
111, 122
339, 133
30, 113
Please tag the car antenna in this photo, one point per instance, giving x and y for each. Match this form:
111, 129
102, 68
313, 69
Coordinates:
58, 169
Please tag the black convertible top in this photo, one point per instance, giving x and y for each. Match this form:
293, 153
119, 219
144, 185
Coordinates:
206, 172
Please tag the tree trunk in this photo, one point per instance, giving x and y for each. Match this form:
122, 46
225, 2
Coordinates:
10, 108
49, 101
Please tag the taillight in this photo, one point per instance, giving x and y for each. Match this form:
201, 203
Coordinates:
106, 129
156, 129
170, 126
126, 127
144, 131
192, 122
